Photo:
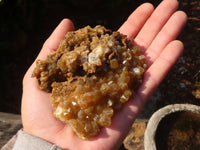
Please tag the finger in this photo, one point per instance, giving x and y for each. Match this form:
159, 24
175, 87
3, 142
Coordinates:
155, 23
168, 33
136, 20
157, 71
52, 43
152, 78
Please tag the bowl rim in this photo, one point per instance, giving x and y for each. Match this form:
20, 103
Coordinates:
149, 136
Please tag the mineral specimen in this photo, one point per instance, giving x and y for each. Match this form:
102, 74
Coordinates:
92, 73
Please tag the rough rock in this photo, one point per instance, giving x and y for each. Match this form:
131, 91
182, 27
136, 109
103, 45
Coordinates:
9, 125
135, 138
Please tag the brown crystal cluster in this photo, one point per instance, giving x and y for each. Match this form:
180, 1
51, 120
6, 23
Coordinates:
92, 73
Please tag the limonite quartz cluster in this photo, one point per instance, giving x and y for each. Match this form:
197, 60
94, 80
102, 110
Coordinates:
92, 73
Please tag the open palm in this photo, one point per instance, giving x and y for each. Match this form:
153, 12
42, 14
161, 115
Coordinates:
154, 32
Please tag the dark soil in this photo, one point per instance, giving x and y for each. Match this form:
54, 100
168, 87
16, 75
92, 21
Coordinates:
179, 131
182, 84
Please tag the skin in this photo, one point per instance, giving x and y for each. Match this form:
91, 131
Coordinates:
154, 31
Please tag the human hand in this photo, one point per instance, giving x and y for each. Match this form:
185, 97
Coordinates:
154, 32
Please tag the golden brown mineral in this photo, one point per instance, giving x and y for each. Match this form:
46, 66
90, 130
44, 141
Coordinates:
90, 75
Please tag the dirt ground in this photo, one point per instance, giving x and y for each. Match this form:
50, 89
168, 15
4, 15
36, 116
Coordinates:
182, 84
25, 25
